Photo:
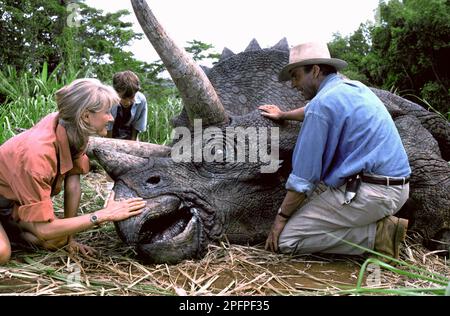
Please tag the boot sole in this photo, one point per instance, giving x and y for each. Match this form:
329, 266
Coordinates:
400, 236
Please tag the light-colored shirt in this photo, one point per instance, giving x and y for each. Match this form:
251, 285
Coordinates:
138, 118
33, 165
346, 130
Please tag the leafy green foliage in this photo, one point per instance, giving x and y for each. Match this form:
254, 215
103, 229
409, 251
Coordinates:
353, 49
29, 31
406, 50
201, 51
36, 32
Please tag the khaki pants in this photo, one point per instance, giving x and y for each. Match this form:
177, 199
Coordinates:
321, 224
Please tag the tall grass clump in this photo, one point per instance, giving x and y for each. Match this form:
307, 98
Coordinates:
23, 113
159, 117
29, 98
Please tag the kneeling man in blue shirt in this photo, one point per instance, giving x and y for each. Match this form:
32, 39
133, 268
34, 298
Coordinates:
348, 141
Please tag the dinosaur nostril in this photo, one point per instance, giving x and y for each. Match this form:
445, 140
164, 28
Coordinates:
154, 180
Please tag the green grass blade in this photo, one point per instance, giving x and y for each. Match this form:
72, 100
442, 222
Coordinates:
44, 72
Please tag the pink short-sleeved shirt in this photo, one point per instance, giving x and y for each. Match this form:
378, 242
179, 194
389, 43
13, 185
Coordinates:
33, 165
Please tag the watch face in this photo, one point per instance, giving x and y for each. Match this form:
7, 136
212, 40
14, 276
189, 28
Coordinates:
94, 219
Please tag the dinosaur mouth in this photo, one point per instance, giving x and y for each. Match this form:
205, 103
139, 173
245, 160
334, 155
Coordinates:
170, 236
165, 227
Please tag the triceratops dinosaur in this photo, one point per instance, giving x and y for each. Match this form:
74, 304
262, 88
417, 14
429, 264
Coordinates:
193, 203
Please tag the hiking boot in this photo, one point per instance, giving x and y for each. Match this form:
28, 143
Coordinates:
391, 232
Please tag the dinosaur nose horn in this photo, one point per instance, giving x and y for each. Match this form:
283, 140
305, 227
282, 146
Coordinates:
117, 164
200, 99
139, 149
118, 156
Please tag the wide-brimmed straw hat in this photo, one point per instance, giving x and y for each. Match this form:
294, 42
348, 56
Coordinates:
309, 54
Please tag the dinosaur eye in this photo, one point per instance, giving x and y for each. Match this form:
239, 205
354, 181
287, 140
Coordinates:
154, 180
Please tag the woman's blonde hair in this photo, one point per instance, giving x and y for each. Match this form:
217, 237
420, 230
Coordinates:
74, 100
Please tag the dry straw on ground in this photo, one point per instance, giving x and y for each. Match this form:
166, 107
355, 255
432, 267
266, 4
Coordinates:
225, 270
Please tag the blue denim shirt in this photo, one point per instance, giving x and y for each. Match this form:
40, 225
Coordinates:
346, 130
138, 118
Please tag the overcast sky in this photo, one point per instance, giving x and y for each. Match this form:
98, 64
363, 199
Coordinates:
234, 23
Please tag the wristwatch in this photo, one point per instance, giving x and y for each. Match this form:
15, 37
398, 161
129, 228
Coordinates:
94, 219
282, 214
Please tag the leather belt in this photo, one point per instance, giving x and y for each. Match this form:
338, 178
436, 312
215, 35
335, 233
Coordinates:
384, 180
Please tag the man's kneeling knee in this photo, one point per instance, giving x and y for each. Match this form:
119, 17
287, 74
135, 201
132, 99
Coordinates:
287, 246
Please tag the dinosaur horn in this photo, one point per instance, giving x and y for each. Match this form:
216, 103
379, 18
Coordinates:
200, 99
253, 46
282, 45
138, 149
226, 53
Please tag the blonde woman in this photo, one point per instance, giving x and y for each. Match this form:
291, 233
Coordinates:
35, 164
